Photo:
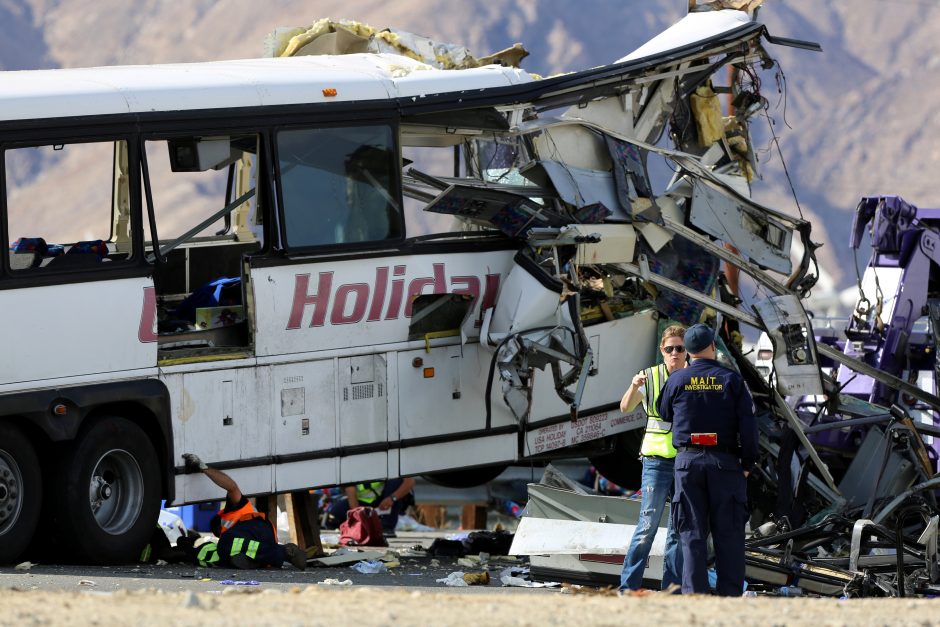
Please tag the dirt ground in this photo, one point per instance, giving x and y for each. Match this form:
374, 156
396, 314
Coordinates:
313, 605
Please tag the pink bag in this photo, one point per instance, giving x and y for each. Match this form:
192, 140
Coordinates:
362, 527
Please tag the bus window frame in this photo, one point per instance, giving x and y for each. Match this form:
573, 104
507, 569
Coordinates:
395, 184
132, 267
191, 130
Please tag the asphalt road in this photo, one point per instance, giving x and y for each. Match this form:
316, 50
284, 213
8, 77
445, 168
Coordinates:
413, 572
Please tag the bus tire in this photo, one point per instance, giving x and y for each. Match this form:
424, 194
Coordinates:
20, 492
109, 490
622, 465
466, 478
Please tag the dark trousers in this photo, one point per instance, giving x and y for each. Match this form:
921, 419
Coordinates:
251, 544
710, 496
339, 507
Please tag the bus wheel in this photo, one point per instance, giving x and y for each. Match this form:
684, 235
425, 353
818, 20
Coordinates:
466, 478
622, 465
109, 487
20, 492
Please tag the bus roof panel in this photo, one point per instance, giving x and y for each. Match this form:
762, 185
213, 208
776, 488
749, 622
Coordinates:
37, 94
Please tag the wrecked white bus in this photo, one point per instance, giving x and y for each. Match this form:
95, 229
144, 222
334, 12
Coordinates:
289, 311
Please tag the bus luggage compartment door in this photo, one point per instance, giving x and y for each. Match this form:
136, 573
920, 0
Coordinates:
363, 417
304, 409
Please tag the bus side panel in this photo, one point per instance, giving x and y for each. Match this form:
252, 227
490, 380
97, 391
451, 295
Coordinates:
459, 454
361, 303
454, 394
222, 416
76, 329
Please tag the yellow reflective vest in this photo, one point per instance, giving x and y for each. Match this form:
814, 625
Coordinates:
658, 439
369, 493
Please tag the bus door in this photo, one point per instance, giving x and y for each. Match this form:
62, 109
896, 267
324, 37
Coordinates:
76, 298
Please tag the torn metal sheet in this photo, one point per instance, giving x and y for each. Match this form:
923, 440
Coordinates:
574, 145
538, 536
796, 366
582, 538
576, 186
764, 240
350, 557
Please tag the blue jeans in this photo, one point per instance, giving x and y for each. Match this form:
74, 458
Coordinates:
656, 487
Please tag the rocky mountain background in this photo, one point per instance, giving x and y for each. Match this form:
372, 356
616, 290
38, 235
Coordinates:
858, 119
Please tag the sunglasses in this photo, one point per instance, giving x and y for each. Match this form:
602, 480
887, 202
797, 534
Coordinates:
668, 349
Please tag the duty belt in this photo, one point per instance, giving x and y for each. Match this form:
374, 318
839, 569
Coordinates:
717, 448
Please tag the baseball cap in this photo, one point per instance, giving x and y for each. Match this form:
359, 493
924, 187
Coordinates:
698, 337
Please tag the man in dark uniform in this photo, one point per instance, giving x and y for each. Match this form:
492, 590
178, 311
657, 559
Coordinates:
714, 432
247, 539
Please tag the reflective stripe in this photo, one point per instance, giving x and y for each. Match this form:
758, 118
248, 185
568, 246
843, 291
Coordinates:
208, 554
369, 493
230, 519
655, 379
662, 425
236, 546
658, 438
145, 554
252, 549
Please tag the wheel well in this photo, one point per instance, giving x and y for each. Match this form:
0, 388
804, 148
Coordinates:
144, 418
45, 448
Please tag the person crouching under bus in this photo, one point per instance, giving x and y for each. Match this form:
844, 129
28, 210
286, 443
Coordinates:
658, 466
390, 498
247, 539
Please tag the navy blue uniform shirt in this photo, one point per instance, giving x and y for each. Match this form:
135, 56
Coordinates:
706, 397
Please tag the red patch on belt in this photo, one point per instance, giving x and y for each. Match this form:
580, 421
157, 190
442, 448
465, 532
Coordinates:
705, 439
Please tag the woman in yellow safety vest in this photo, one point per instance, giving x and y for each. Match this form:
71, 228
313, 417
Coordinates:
658, 465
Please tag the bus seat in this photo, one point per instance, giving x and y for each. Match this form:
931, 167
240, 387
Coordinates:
24, 261
81, 255
30, 245
27, 252
91, 247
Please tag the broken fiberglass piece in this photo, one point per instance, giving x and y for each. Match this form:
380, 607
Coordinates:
335, 37
693, 28
526, 302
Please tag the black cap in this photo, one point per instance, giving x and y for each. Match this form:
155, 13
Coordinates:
698, 337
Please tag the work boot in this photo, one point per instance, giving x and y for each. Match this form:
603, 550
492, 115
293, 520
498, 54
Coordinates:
296, 556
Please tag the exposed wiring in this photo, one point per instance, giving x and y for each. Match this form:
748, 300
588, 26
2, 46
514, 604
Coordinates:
786, 170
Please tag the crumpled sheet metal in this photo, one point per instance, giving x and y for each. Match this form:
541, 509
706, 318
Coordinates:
327, 36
